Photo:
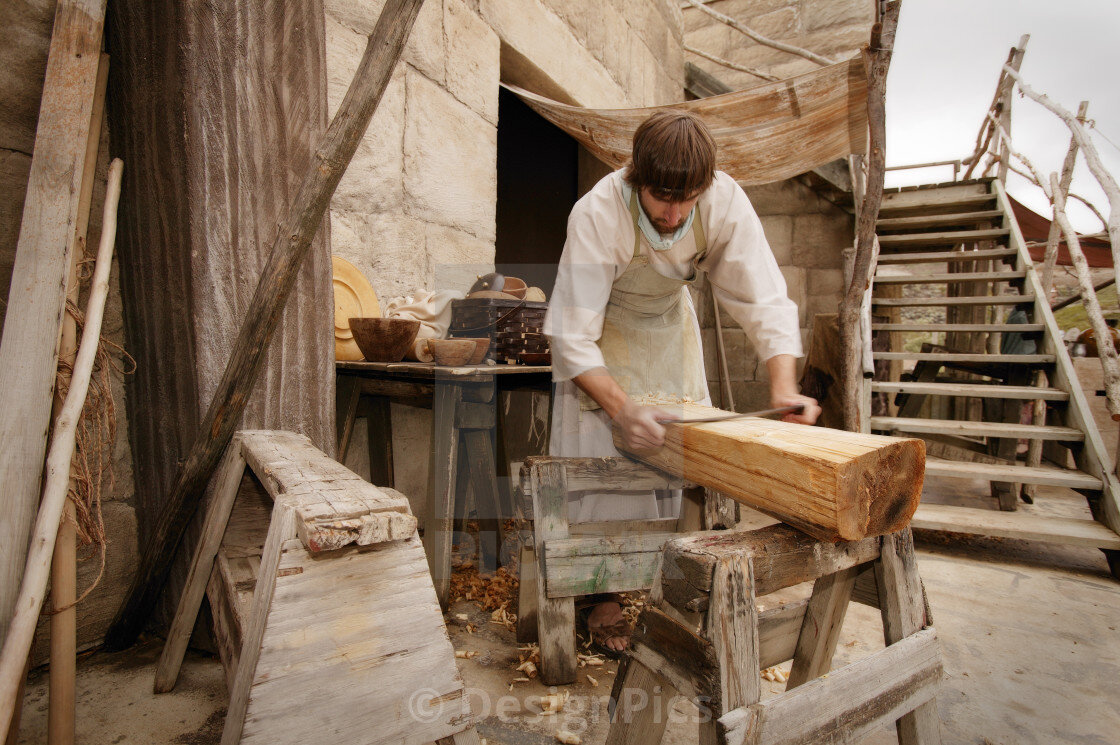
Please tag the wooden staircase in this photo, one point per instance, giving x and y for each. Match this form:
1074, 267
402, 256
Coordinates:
955, 368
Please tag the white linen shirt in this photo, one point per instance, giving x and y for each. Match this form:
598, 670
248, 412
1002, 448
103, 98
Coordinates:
600, 245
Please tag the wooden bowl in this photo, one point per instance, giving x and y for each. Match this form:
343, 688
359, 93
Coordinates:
452, 352
482, 346
535, 358
384, 339
516, 287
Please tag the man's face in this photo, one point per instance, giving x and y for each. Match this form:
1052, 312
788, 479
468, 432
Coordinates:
666, 212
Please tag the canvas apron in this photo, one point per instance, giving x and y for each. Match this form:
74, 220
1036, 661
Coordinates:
649, 340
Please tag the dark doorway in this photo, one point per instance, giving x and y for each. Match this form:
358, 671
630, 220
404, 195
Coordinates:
538, 170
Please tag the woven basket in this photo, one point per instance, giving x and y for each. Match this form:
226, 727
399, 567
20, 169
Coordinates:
513, 326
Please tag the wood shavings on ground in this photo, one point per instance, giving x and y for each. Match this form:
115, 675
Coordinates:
491, 591
463, 654
775, 674
594, 683
567, 738
592, 660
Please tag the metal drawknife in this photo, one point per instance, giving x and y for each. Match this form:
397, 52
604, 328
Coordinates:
780, 411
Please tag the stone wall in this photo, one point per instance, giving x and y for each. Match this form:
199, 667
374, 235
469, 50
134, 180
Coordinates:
416, 208
23, 55
807, 233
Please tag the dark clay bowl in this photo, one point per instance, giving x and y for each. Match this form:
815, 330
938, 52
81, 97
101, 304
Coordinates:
384, 339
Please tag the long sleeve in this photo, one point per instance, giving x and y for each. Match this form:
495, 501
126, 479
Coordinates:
594, 256
744, 273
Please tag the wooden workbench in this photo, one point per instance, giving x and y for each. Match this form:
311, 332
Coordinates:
464, 419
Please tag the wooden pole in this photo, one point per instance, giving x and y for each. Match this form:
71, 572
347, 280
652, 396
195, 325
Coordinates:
277, 279
765, 41
1054, 236
29, 350
13, 658
877, 59
1092, 159
729, 64
724, 376
1006, 86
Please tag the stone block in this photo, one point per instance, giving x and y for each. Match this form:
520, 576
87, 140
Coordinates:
750, 395
777, 24
820, 239
373, 181
838, 42
456, 258
424, 49
741, 10
826, 14
412, 442
779, 234
450, 172
388, 248
647, 23
787, 197
741, 357
795, 283
473, 60
825, 282
818, 304
537, 36
717, 39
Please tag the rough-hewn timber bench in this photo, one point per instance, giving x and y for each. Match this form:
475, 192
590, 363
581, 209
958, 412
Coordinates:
324, 610
701, 635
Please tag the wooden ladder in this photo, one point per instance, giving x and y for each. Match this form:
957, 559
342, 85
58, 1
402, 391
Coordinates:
957, 300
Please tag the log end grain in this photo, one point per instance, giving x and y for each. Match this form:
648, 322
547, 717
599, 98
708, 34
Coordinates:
880, 491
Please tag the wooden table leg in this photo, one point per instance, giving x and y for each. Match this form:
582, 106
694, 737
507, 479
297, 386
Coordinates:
484, 476
347, 390
379, 429
441, 499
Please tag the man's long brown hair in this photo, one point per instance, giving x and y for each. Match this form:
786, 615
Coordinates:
674, 155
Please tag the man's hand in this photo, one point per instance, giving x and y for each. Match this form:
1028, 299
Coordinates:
640, 426
783, 390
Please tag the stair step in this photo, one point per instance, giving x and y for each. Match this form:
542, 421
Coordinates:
946, 238
1025, 392
977, 429
942, 300
1023, 328
938, 206
934, 221
936, 257
1021, 525
1030, 359
929, 279
1013, 474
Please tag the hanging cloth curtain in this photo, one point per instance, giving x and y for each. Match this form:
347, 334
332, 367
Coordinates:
767, 133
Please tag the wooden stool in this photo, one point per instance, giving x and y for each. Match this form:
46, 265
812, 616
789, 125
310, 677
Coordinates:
567, 561
709, 582
324, 610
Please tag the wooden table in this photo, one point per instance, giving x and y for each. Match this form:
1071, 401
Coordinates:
464, 420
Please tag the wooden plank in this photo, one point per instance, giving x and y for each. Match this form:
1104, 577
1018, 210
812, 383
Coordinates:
624, 527
375, 666
937, 257
933, 221
556, 617
820, 629
676, 652
929, 279
527, 596
731, 626
849, 703
564, 548
947, 238
1022, 328
1018, 474
441, 499
37, 294
939, 206
226, 483
605, 474
778, 631
281, 529
1024, 392
1019, 525
573, 576
634, 721
936, 301
379, 436
293, 240
976, 429
905, 613
828, 483
995, 359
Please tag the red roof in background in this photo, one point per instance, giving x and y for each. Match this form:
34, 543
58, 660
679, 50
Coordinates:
1036, 228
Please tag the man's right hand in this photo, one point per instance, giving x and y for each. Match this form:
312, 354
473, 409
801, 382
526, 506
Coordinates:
640, 426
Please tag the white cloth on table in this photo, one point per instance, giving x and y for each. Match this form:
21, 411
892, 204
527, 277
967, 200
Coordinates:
432, 310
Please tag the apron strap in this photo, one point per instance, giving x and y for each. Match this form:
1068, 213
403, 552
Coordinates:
637, 229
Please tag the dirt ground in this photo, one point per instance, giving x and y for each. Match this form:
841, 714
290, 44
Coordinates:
1029, 634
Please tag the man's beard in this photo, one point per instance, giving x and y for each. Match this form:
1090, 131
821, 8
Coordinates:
664, 228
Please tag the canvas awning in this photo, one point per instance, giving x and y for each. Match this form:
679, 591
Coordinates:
767, 133
1036, 229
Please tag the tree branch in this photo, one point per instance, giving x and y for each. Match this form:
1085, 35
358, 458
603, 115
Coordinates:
730, 64
751, 33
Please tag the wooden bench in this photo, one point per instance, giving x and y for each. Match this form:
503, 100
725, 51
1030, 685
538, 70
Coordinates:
325, 613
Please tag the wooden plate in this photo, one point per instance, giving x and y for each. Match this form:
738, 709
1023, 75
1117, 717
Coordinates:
353, 298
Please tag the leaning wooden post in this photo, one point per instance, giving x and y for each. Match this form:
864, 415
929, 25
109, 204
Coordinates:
263, 314
1054, 236
1006, 86
877, 59
13, 658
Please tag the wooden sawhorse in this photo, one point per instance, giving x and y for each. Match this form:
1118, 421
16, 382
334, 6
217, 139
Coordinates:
709, 582
331, 628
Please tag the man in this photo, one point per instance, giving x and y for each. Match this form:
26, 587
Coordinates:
621, 319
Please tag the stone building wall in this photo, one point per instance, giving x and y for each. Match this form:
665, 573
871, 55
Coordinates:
26, 28
807, 232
